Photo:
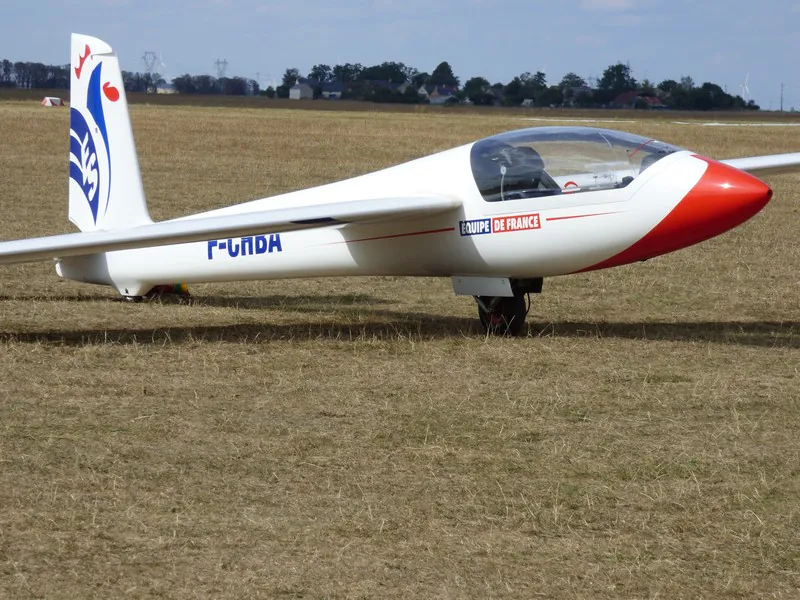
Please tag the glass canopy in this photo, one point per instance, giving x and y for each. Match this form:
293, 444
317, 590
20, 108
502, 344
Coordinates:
545, 161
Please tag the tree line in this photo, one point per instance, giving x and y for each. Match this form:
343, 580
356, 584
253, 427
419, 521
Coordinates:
29, 75
397, 82
616, 87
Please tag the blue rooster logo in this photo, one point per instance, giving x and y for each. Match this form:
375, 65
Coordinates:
84, 167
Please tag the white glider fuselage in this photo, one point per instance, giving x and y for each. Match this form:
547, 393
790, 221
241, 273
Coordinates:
542, 236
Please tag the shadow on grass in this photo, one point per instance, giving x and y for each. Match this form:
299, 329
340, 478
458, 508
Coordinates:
776, 334
248, 302
256, 302
395, 325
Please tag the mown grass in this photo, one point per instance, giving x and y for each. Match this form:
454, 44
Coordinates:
360, 437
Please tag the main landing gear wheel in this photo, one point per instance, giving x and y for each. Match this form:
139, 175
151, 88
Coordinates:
503, 316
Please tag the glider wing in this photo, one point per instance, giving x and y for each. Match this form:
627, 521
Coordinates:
767, 165
207, 228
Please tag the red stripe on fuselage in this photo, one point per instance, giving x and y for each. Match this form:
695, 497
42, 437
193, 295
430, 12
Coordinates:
580, 216
396, 235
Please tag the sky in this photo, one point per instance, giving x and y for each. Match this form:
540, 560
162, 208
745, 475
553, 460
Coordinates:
720, 41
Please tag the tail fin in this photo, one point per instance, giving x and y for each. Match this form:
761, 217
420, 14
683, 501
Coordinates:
105, 187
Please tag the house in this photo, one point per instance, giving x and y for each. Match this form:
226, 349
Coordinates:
637, 99
332, 90
437, 94
301, 91
311, 88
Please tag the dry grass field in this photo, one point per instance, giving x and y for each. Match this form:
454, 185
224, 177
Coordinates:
359, 438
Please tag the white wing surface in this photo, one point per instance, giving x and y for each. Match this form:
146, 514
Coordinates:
209, 228
767, 165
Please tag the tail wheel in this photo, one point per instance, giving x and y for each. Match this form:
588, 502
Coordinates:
503, 316
176, 289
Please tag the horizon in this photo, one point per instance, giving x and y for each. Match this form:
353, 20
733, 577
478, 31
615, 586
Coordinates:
260, 40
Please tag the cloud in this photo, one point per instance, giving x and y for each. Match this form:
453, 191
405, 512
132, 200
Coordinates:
590, 40
608, 5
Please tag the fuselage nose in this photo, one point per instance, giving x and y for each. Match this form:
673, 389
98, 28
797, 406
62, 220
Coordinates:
723, 198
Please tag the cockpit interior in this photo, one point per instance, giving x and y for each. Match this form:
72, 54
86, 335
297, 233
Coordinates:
546, 161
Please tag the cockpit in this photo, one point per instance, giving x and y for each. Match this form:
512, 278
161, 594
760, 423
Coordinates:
546, 161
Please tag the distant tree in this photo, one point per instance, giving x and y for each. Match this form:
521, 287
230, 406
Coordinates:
459, 97
233, 86
145, 83
347, 72
647, 86
513, 93
571, 80
536, 82
443, 75
7, 73
617, 79
130, 81
205, 84
524, 87
668, 86
532, 85
269, 92
387, 71
476, 90
411, 95
584, 100
290, 77
409, 72
321, 73
37, 74
687, 83
710, 96
22, 75
603, 98
549, 97
157, 81
420, 79
184, 84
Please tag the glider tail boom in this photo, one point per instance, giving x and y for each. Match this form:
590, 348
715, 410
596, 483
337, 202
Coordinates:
105, 186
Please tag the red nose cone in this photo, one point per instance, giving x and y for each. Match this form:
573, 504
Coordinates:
723, 198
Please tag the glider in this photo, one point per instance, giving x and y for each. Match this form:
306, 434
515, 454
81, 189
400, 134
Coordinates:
497, 215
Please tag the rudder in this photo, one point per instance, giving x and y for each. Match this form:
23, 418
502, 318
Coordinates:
105, 186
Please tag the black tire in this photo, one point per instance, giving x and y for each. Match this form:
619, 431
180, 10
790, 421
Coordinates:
506, 316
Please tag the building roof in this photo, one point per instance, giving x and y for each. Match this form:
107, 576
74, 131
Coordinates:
442, 90
633, 96
333, 87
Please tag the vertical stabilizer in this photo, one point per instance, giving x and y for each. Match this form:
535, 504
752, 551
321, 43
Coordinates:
105, 187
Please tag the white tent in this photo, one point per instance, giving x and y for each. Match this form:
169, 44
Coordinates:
52, 101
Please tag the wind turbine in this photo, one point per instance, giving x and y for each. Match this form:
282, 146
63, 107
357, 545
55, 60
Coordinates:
745, 89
